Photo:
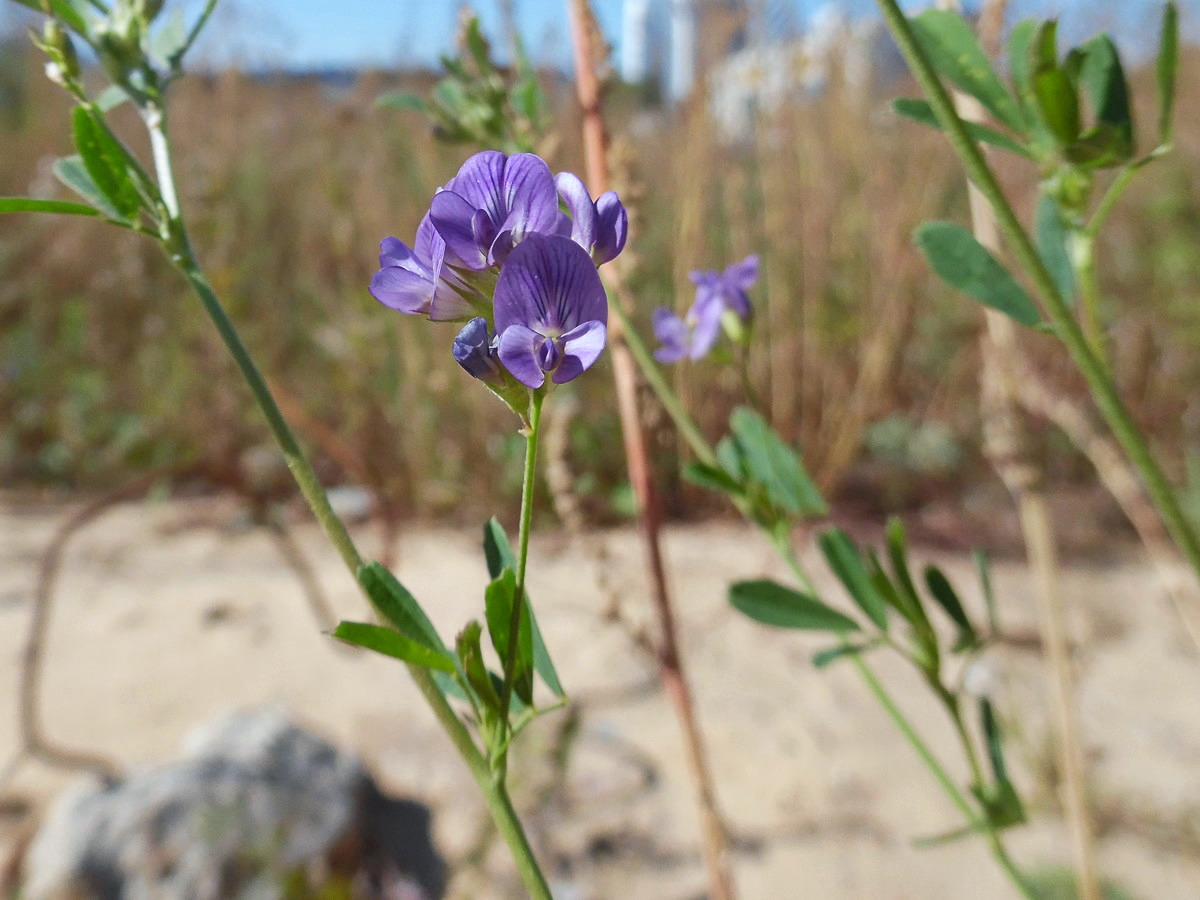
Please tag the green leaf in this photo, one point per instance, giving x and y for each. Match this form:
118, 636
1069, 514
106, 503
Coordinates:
68, 12
498, 602
1000, 798
29, 204
824, 658
994, 738
111, 97
843, 557
773, 604
106, 162
774, 465
527, 99
1050, 88
1020, 64
169, 40
394, 644
1051, 234
399, 607
499, 554
1102, 79
921, 111
496, 549
470, 653
477, 45
730, 459
942, 591
71, 171
963, 263
897, 549
401, 100
1165, 69
955, 52
1057, 104
983, 567
712, 478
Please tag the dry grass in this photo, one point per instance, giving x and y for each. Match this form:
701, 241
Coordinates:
108, 366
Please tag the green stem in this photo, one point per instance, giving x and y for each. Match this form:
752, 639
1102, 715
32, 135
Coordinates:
1104, 392
179, 250
1109, 201
995, 844
536, 398
1083, 260
783, 544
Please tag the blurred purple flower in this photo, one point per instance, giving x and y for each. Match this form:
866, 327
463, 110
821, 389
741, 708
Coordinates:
491, 205
417, 281
475, 351
551, 311
695, 334
600, 228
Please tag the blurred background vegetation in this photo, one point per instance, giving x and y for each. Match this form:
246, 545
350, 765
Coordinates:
108, 367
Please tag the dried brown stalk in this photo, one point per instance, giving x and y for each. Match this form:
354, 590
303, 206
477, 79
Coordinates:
586, 42
1006, 444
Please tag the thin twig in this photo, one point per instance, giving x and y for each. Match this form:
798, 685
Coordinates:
31, 733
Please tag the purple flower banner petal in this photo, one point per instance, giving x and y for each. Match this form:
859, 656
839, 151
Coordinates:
550, 284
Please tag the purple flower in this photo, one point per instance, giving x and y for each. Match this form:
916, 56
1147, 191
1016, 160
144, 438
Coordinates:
417, 281
600, 228
475, 351
717, 294
491, 205
551, 311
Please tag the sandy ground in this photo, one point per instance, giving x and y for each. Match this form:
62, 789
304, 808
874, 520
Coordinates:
169, 614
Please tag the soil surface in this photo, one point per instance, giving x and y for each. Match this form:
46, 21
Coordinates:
168, 614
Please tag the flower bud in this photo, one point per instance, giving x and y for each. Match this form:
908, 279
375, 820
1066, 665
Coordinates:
57, 44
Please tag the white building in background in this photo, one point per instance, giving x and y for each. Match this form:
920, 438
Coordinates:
635, 41
681, 53
768, 61
764, 77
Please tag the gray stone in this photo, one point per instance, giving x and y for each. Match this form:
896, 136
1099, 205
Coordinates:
256, 808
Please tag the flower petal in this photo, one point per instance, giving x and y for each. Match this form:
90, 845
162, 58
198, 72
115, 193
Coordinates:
742, 275
672, 333
452, 216
612, 227
530, 200
428, 246
581, 346
480, 181
473, 351
583, 212
549, 284
706, 314
402, 289
394, 252
518, 351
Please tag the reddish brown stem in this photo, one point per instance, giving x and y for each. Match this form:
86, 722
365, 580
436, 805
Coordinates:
671, 669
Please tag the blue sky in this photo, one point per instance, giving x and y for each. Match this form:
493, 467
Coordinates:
403, 32
313, 33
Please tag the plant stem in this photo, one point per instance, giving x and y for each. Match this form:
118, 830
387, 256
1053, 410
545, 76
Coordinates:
1083, 258
536, 398
782, 542
178, 248
995, 844
1103, 390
